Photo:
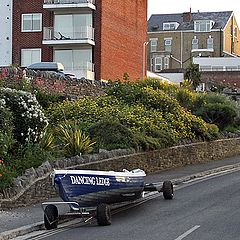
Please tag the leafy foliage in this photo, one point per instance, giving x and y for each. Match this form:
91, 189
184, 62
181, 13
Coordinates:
6, 129
193, 75
28, 117
111, 135
45, 99
217, 109
74, 141
29, 155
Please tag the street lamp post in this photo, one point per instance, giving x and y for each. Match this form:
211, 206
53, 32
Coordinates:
143, 59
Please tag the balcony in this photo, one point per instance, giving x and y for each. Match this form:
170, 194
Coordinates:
84, 35
66, 4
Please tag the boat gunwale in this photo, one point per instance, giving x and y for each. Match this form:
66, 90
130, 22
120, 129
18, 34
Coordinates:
100, 173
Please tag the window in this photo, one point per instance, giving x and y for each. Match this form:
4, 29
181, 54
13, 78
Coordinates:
74, 59
168, 44
166, 62
153, 45
236, 32
73, 26
32, 22
210, 43
203, 26
158, 64
170, 25
30, 56
195, 43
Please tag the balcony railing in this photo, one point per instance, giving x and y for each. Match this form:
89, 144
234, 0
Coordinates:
83, 33
218, 68
82, 70
68, 1
83, 66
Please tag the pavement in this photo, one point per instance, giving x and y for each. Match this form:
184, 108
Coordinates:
20, 221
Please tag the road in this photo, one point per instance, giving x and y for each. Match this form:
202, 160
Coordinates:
204, 209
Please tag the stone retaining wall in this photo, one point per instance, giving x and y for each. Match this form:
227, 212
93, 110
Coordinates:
35, 185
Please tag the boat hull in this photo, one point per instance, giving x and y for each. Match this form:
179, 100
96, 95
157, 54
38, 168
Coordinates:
90, 188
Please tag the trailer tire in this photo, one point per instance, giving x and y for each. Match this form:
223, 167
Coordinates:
50, 217
103, 215
167, 190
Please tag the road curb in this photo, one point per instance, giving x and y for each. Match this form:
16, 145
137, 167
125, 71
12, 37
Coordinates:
178, 181
21, 231
40, 225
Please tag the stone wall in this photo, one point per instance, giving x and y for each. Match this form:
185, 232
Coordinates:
35, 185
50, 82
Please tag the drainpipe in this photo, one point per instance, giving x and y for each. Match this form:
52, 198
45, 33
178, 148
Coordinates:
220, 50
144, 59
181, 50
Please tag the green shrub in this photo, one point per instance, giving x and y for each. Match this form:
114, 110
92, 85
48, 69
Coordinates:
29, 155
221, 114
236, 122
28, 117
6, 143
111, 135
45, 99
164, 137
47, 140
7, 175
6, 128
73, 140
138, 92
185, 98
147, 143
153, 110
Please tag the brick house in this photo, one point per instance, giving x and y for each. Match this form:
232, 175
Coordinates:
174, 39
94, 39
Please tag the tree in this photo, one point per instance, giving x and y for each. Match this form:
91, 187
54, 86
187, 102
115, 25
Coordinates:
193, 75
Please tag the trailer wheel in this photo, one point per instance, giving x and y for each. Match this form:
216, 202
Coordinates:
103, 215
50, 217
167, 190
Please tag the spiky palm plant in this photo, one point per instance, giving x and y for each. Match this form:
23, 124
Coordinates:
47, 141
73, 140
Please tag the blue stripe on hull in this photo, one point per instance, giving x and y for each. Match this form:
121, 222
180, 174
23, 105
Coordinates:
90, 190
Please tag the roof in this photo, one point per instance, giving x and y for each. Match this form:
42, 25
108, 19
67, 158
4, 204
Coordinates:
155, 22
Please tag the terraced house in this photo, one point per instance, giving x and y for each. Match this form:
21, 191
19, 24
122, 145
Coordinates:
94, 39
174, 39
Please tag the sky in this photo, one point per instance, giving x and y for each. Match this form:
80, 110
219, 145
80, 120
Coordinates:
180, 6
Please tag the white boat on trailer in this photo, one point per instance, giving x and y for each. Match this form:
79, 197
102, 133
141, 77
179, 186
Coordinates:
94, 193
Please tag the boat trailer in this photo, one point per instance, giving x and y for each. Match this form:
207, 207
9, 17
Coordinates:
102, 212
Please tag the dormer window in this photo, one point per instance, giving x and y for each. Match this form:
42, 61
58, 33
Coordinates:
170, 26
203, 25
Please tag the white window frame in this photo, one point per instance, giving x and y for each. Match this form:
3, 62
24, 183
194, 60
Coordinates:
210, 43
153, 46
166, 62
168, 44
170, 25
195, 43
32, 16
203, 25
156, 63
30, 49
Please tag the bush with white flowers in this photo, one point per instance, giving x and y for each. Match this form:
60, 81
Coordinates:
28, 117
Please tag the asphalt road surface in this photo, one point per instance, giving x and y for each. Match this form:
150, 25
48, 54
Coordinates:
202, 209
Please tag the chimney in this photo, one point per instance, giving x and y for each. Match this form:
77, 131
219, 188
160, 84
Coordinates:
187, 16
